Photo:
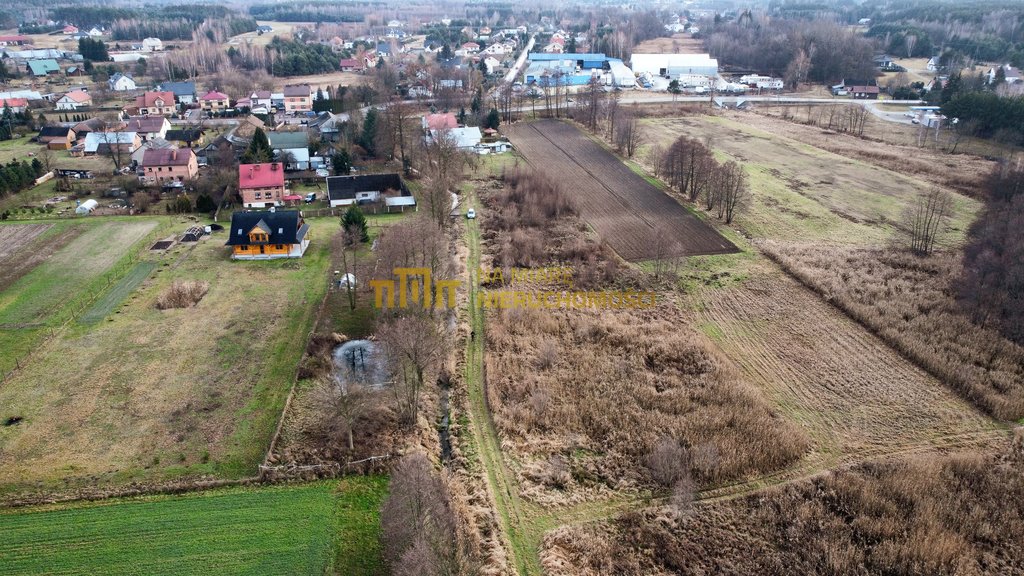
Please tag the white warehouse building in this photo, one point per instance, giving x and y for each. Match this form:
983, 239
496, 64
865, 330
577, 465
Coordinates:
675, 65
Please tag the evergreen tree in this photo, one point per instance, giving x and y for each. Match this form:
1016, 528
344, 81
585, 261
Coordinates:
259, 149
354, 219
342, 162
474, 106
369, 136
462, 115
205, 204
493, 119
37, 167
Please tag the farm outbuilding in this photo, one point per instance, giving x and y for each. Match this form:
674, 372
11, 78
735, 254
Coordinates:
193, 234
86, 207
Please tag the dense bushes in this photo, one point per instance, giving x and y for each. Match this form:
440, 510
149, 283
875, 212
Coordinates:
294, 58
910, 302
182, 294
936, 515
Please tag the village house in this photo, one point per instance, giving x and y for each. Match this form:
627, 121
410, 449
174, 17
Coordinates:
155, 103
434, 122
261, 185
184, 92
57, 137
1011, 74
168, 165
261, 99
214, 101
17, 40
69, 30
267, 235
351, 65
298, 98
290, 148
367, 189
863, 92
121, 82
151, 144
39, 68
104, 142
17, 105
148, 127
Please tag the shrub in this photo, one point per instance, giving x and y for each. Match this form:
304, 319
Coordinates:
182, 294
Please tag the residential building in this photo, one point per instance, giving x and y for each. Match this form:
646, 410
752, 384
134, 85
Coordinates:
298, 98
213, 101
261, 98
1011, 74
863, 92
16, 105
47, 67
155, 103
446, 121
69, 30
103, 142
266, 235
351, 65
934, 64
121, 82
74, 100
184, 92
152, 45
57, 137
168, 165
148, 127
291, 149
364, 189
95, 32
261, 185
151, 144
466, 139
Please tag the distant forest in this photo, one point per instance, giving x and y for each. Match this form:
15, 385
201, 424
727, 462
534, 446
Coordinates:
312, 12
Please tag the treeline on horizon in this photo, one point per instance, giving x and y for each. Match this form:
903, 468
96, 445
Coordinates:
312, 11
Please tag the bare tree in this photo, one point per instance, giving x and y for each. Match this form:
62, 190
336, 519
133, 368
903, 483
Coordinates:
628, 137
415, 345
443, 163
341, 404
421, 532
668, 462
926, 218
734, 191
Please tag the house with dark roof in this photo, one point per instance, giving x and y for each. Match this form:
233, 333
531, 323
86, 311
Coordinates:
267, 235
168, 165
261, 185
351, 65
298, 98
860, 92
121, 82
364, 189
57, 137
290, 148
184, 92
148, 127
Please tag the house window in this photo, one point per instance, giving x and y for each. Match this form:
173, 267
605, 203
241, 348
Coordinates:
280, 247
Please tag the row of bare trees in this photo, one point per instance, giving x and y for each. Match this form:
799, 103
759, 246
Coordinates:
689, 167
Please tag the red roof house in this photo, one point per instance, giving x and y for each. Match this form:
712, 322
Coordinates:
351, 65
16, 104
440, 122
261, 185
155, 103
214, 101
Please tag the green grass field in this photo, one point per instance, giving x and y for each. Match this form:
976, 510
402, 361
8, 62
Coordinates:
321, 528
133, 393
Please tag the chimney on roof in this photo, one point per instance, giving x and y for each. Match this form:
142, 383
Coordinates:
273, 166
174, 154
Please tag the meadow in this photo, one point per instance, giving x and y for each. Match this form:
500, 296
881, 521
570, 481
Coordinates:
328, 527
129, 392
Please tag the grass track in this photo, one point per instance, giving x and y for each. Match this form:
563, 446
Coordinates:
309, 529
106, 304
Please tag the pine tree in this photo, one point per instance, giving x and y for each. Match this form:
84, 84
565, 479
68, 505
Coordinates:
493, 119
259, 149
368, 138
354, 219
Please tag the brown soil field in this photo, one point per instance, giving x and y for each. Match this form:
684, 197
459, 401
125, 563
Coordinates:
856, 397
805, 192
955, 514
676, 44
628, 212
910, 302
23, 246
331, 79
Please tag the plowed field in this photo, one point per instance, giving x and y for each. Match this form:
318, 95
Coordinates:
638, 220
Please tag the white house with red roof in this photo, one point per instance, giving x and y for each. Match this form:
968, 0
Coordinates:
214, 101
261, 185
152, 102
15, 104
446, 121
74, 100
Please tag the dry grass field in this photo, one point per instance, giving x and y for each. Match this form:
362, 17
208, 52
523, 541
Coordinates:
149, 393
676, 44
803, 192
632, 215
939, 515
855, 396
910, 302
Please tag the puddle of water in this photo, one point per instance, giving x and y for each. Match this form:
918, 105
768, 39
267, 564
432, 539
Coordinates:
360, 361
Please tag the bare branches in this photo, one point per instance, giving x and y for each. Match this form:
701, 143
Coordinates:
926, 218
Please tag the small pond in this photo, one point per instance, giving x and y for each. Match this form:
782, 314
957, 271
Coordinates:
361, 361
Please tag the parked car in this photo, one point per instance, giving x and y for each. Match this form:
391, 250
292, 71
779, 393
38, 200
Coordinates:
471, 214
311, 197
